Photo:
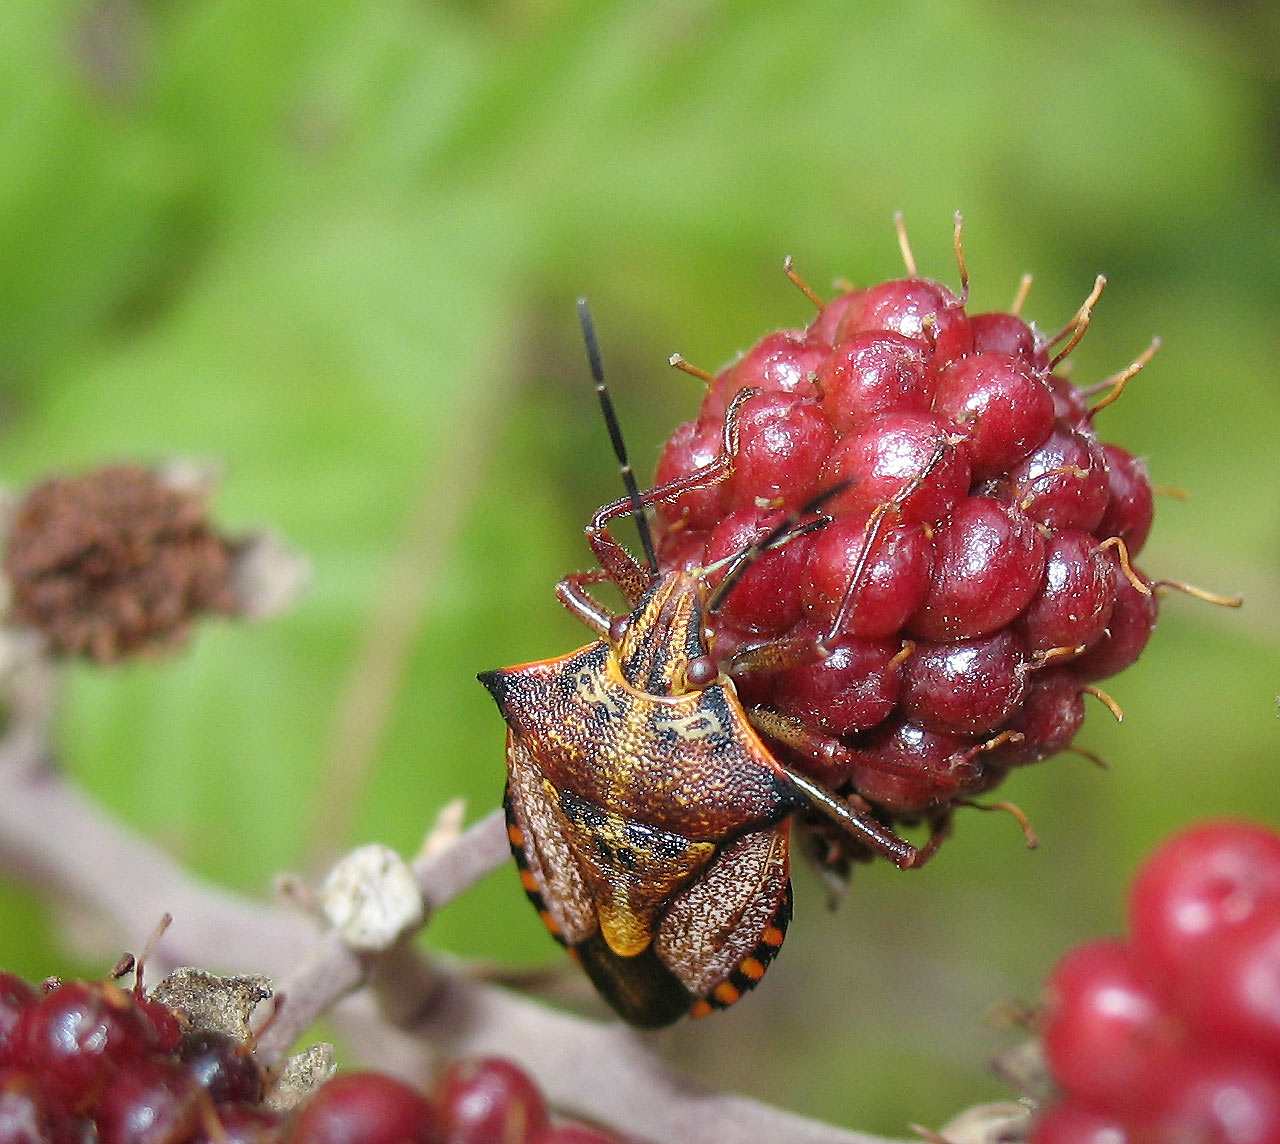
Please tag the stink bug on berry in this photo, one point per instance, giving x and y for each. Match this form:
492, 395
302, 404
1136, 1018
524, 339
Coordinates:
649, 819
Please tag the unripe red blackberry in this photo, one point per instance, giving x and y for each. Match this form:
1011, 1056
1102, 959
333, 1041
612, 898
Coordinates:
364, 1108
488, 1098
1174, 1033
94, 1063
968, 573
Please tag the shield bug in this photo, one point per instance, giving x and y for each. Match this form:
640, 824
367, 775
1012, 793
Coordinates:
648, 817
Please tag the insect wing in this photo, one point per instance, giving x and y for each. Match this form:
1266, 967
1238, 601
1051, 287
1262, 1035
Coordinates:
720, 934
549, 869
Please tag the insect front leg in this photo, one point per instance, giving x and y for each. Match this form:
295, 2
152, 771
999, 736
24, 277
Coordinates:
572, 593
630, 575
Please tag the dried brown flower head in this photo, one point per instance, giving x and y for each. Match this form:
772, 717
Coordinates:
114, 562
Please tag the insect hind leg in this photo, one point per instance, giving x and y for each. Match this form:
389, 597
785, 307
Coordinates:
861, 825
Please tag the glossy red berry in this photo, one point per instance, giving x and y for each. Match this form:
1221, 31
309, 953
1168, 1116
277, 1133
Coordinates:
692, 447
908, 768
1174, 1034
780, 363
873, 373
1210, 879
988, 565
916, 308
1001, 333
15, 996
243, 1124
29, 1115
965, 686
1231, 992
222, 1066
1069, 1123
782, 442
877, 572
851, 689
489, 1099
1219, 1099
151, 1101
74, 1037
769, 598
1109, 1038
1001, 404
915, 456
1076, 597
364, 1108
1064, 482
1129, 626
1131, 504
1051, 713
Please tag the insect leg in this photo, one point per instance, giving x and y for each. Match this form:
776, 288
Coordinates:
882, 515
620, 567
809, 795
572, 593
863, 826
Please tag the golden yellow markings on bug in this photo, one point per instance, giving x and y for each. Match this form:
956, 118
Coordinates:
590, 688
691, 728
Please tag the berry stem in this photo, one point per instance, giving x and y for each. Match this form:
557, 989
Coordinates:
1091, 756
1110, 704
1010, 808
957, 243
1198, 593
1122, 552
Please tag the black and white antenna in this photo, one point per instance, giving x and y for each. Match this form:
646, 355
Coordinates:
615, 433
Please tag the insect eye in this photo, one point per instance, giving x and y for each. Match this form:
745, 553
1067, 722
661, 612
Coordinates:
618, 629
701, 671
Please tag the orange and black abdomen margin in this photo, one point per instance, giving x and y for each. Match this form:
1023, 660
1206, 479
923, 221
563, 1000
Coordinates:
643, 989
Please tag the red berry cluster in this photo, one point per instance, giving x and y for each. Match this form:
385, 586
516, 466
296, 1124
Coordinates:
93, 1063
1174, 1034
973, 576
481, 1101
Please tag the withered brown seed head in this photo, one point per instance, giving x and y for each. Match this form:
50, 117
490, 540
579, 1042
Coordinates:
113, 563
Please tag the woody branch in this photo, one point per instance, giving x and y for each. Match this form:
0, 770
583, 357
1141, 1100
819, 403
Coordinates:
414, 1009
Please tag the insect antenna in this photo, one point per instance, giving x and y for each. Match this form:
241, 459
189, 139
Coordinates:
788, 529
615, 433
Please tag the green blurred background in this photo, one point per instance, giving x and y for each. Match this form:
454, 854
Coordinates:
334, 245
